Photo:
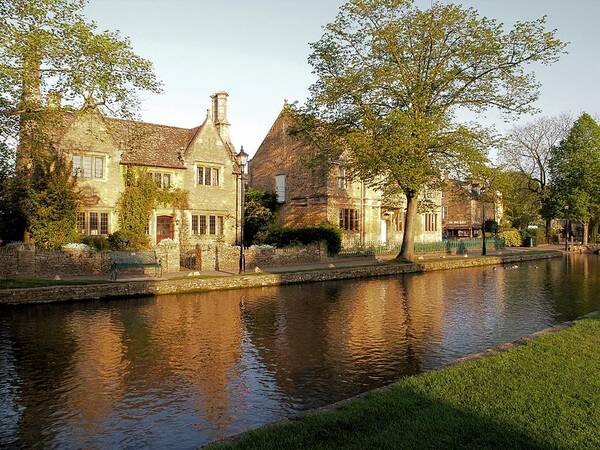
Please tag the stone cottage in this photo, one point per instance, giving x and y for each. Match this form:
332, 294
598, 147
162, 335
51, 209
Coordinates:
199, 160
309, 197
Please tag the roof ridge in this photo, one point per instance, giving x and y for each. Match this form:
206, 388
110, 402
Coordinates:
150, 123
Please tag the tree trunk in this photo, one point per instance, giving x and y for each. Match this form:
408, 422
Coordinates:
548, 225
586, 231
407, 250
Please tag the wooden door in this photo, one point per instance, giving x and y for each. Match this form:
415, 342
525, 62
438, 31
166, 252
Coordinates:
164, 228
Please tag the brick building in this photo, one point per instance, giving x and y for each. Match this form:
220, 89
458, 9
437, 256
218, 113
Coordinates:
462, 210
199, 160
310, 197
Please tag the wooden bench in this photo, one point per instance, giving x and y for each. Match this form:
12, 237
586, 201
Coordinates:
133, 260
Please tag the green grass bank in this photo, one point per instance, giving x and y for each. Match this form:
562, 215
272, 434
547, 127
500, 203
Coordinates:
544, 394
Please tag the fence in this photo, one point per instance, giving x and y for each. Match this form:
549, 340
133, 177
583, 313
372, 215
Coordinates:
458, 246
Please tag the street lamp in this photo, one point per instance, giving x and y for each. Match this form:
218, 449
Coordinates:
567, 228
483, 246
242, 160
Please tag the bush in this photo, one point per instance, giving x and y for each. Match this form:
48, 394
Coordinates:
100, 243
491, 226
511, 237
284, 237
538, 235
127, 240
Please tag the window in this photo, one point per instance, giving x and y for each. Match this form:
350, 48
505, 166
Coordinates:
444, 212
209, 176
81, 228
397, 221
202, 225
348, 219
162, 180
103, 223
93, 222
280, 188
88, 166
342, 178
431, 222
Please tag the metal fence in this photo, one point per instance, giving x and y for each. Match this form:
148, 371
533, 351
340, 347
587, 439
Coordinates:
457, 246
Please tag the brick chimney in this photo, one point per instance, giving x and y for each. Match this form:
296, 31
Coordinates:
219, 114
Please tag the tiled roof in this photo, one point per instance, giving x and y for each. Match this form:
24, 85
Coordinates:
148, 144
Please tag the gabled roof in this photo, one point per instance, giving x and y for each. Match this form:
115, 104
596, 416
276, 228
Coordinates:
146, 144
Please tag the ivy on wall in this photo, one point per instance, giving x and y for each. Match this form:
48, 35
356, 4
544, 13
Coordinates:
140, 196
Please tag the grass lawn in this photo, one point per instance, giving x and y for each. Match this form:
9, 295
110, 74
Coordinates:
545, 394
17, 283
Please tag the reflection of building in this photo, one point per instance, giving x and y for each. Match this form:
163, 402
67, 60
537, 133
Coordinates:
309, 197
462, 210
199, 160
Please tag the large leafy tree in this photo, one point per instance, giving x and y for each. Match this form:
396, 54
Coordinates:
526, 151
49, 50
575, 169
391, 79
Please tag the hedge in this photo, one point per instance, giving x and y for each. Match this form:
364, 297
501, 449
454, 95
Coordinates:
284, 237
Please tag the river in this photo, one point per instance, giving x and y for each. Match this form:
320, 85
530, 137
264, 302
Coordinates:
178, 371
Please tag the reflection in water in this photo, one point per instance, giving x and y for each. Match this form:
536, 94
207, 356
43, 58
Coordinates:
178, 371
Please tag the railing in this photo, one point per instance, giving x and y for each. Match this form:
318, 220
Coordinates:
457, 246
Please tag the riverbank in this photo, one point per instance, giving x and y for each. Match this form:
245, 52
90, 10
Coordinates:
540, 392
188, 284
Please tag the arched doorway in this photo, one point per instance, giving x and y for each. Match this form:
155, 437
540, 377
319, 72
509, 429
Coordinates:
164, 228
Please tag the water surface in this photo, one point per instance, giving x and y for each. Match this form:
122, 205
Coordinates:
181, 370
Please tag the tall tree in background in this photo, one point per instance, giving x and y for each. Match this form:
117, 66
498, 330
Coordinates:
526, 150
49, 50
575, 169
391, 78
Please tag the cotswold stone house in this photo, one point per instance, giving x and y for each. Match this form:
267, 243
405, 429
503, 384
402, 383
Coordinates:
199, 160
309, 197
462, 210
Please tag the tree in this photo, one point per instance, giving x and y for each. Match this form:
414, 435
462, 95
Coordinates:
575, 169
260, 215
520, 203
48, 49
526, 150
391, 78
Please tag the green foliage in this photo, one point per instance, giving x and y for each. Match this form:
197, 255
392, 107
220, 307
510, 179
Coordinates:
259, 216
391, 78
140, 196
575, 169
538, 235
491, 226
521, 204
511, 237
283, 237
45, 193
127, 240
100, 243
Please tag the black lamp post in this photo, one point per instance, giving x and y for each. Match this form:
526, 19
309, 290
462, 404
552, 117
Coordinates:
483, 246
242, 160
567, 228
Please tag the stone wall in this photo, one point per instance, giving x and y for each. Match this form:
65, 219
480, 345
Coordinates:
168, 254
199, 284
226, 258
27, 261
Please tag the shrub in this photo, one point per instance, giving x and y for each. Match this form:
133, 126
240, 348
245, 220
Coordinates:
511, 237
100, 243
127, 240
538, 235
283, 237
491, 226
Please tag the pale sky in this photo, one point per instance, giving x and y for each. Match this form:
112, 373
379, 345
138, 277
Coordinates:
257, 51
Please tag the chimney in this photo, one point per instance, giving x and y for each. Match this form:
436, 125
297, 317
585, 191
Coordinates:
219, 114
54, 100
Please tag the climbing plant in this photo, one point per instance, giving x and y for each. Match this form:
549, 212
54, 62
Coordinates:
140, 196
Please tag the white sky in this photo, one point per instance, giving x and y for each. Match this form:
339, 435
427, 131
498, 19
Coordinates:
257, 51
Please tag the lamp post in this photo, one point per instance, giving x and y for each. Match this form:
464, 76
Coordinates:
567, 228
242, 160
483, 246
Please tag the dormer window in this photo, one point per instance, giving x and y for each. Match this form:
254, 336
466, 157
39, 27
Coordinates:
88, 166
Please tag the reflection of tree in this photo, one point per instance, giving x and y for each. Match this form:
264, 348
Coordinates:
43, 351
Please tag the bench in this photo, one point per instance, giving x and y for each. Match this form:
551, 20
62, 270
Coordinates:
133, 260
